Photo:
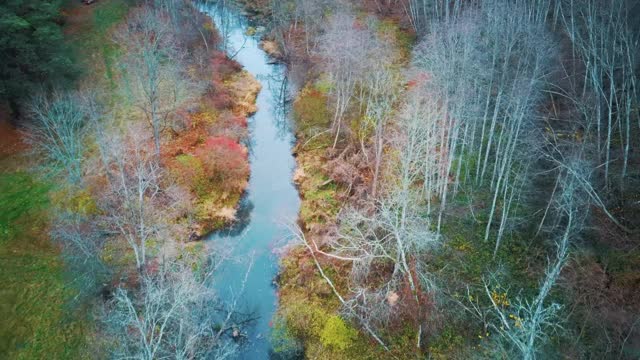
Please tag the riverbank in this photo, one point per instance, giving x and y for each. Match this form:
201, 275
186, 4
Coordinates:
209, 156
329, 179
38, 293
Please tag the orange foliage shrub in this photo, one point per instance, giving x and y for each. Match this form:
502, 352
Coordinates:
223, 67
220, 100
229, 125
225, 162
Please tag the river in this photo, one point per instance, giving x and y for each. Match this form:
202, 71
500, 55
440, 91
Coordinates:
271, 198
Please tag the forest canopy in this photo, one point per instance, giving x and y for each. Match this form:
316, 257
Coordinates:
33, 52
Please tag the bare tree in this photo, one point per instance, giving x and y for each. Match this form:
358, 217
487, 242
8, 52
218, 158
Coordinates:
175, 314
527, 323
132, 201
81, 242
154, 73
57, 132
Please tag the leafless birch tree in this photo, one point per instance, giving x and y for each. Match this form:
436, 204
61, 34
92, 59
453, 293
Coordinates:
485, 70
57, 132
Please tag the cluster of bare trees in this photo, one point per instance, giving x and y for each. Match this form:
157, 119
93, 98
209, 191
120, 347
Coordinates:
603, 91
493, 101
175, 314
485, 70
358, 62
294, 16
358, 59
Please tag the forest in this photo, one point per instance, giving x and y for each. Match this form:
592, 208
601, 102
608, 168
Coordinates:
320, 179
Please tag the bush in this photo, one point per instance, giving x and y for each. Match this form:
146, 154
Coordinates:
224, 162
337, 334
223, 67
188, 171
310, 111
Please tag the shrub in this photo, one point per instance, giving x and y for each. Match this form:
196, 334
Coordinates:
188, 171
310, 111
223, 67
225, 162
337, 334
221, 100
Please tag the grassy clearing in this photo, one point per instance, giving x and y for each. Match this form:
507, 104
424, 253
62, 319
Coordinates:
35, 320
87, 29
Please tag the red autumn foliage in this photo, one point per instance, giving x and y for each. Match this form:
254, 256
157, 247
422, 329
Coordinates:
223, 67
214, 142
224, 161
219, 99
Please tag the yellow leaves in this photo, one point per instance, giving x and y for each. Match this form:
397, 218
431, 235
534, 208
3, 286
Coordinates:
517, 320
464, 247
500, 299
203, 117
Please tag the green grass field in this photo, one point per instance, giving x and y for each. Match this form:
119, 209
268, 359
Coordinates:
36, 323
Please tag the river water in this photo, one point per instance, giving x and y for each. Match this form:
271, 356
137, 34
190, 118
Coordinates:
271, 198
